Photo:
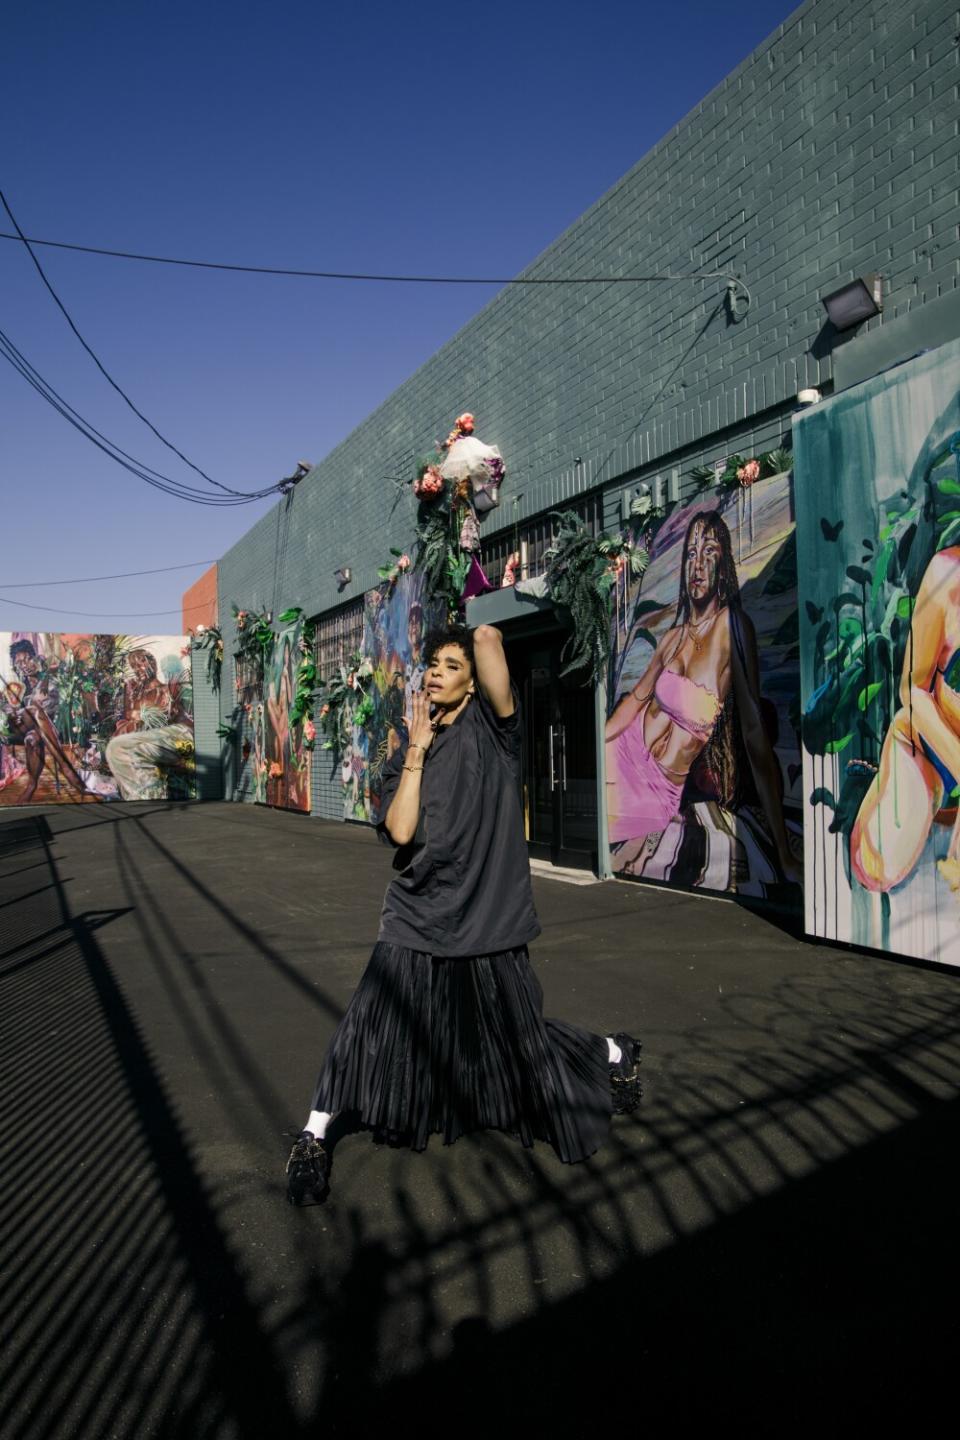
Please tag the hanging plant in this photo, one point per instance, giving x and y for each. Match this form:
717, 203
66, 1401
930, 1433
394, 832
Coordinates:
581, 571
210, 639
305, 688
346, 703
255, 640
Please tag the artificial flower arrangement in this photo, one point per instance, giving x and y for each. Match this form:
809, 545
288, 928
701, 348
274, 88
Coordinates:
305, 683
392, 571
742, 473
454, 486
210, 638
582, 569
346, 703
255, 641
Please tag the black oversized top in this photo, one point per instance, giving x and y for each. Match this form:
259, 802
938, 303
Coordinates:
463, 884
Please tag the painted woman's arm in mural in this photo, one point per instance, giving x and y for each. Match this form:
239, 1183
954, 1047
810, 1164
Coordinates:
924, 718
745, 664
629, 707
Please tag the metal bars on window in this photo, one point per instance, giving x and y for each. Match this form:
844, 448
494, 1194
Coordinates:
339, 635
531, 539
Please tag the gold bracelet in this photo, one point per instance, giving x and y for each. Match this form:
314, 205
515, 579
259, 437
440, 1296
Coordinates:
414, 769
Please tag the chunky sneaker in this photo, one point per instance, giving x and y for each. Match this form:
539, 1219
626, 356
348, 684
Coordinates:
625, 1075
308, 1171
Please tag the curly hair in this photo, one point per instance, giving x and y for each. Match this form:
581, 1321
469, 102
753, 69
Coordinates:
442, 635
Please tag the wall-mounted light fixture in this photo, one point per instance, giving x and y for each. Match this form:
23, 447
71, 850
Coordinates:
343, 575
854, 303
808, 397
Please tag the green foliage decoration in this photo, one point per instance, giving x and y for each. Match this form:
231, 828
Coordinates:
861, 636
210, 639
255, 639
580, 572
346, 703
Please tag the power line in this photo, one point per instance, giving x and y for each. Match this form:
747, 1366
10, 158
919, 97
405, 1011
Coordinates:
99, 363
102, 614
143, 472
385, 279
89, 579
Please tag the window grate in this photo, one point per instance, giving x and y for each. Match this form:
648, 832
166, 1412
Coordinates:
537, 536
339, 634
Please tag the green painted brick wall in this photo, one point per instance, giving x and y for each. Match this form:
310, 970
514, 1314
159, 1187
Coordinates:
831, 151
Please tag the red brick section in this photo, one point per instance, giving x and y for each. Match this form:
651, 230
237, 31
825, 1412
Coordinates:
200, 601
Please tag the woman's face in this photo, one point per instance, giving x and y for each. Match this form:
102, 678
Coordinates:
702, 563
449, 676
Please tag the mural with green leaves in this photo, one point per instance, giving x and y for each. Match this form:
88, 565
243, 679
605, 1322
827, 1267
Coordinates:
878, 524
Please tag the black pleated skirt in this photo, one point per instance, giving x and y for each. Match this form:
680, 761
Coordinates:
431, 1045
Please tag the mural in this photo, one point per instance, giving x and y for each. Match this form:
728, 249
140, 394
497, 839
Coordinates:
702, 759
282, 764
878, 487
95, 718
397, 616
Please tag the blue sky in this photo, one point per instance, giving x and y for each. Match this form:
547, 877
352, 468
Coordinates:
304, 135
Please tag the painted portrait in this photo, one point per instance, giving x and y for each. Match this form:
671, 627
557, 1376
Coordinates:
879, 512
95, 718
701, 750
397, 616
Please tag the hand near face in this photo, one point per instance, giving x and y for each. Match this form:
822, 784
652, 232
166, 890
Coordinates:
420, 727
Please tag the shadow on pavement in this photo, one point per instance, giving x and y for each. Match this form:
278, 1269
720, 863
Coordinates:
773, 1246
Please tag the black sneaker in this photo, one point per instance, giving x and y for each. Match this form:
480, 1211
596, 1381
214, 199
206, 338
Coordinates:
625, 1075
308, 1171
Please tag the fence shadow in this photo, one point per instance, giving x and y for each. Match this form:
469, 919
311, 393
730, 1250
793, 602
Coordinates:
772, 1242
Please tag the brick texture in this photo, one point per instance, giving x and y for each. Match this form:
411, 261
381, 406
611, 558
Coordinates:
831, 151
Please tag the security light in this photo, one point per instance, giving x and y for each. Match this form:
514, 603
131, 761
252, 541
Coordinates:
854, 303
343, 575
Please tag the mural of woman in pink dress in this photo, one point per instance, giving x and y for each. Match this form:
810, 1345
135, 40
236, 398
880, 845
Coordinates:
683, 715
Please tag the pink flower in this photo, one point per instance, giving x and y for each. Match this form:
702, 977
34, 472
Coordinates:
464, 423
404, 562
324, 709
429, 483
309, 729
748, 473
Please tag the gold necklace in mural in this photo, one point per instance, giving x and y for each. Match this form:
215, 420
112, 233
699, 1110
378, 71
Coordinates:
695, 628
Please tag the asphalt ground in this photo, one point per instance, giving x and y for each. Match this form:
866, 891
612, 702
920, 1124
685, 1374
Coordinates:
770, 1243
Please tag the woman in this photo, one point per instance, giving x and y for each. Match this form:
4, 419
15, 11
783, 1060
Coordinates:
681, 710
445, 1033
921, 751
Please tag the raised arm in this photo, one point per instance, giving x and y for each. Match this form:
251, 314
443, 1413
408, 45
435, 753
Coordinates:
493, 676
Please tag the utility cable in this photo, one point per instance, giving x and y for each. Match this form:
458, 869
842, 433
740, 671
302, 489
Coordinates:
103, 614
99, 363
89, 579
136, 467
385, 279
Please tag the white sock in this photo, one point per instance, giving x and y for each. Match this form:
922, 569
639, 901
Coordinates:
317, 1124
614, 1052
